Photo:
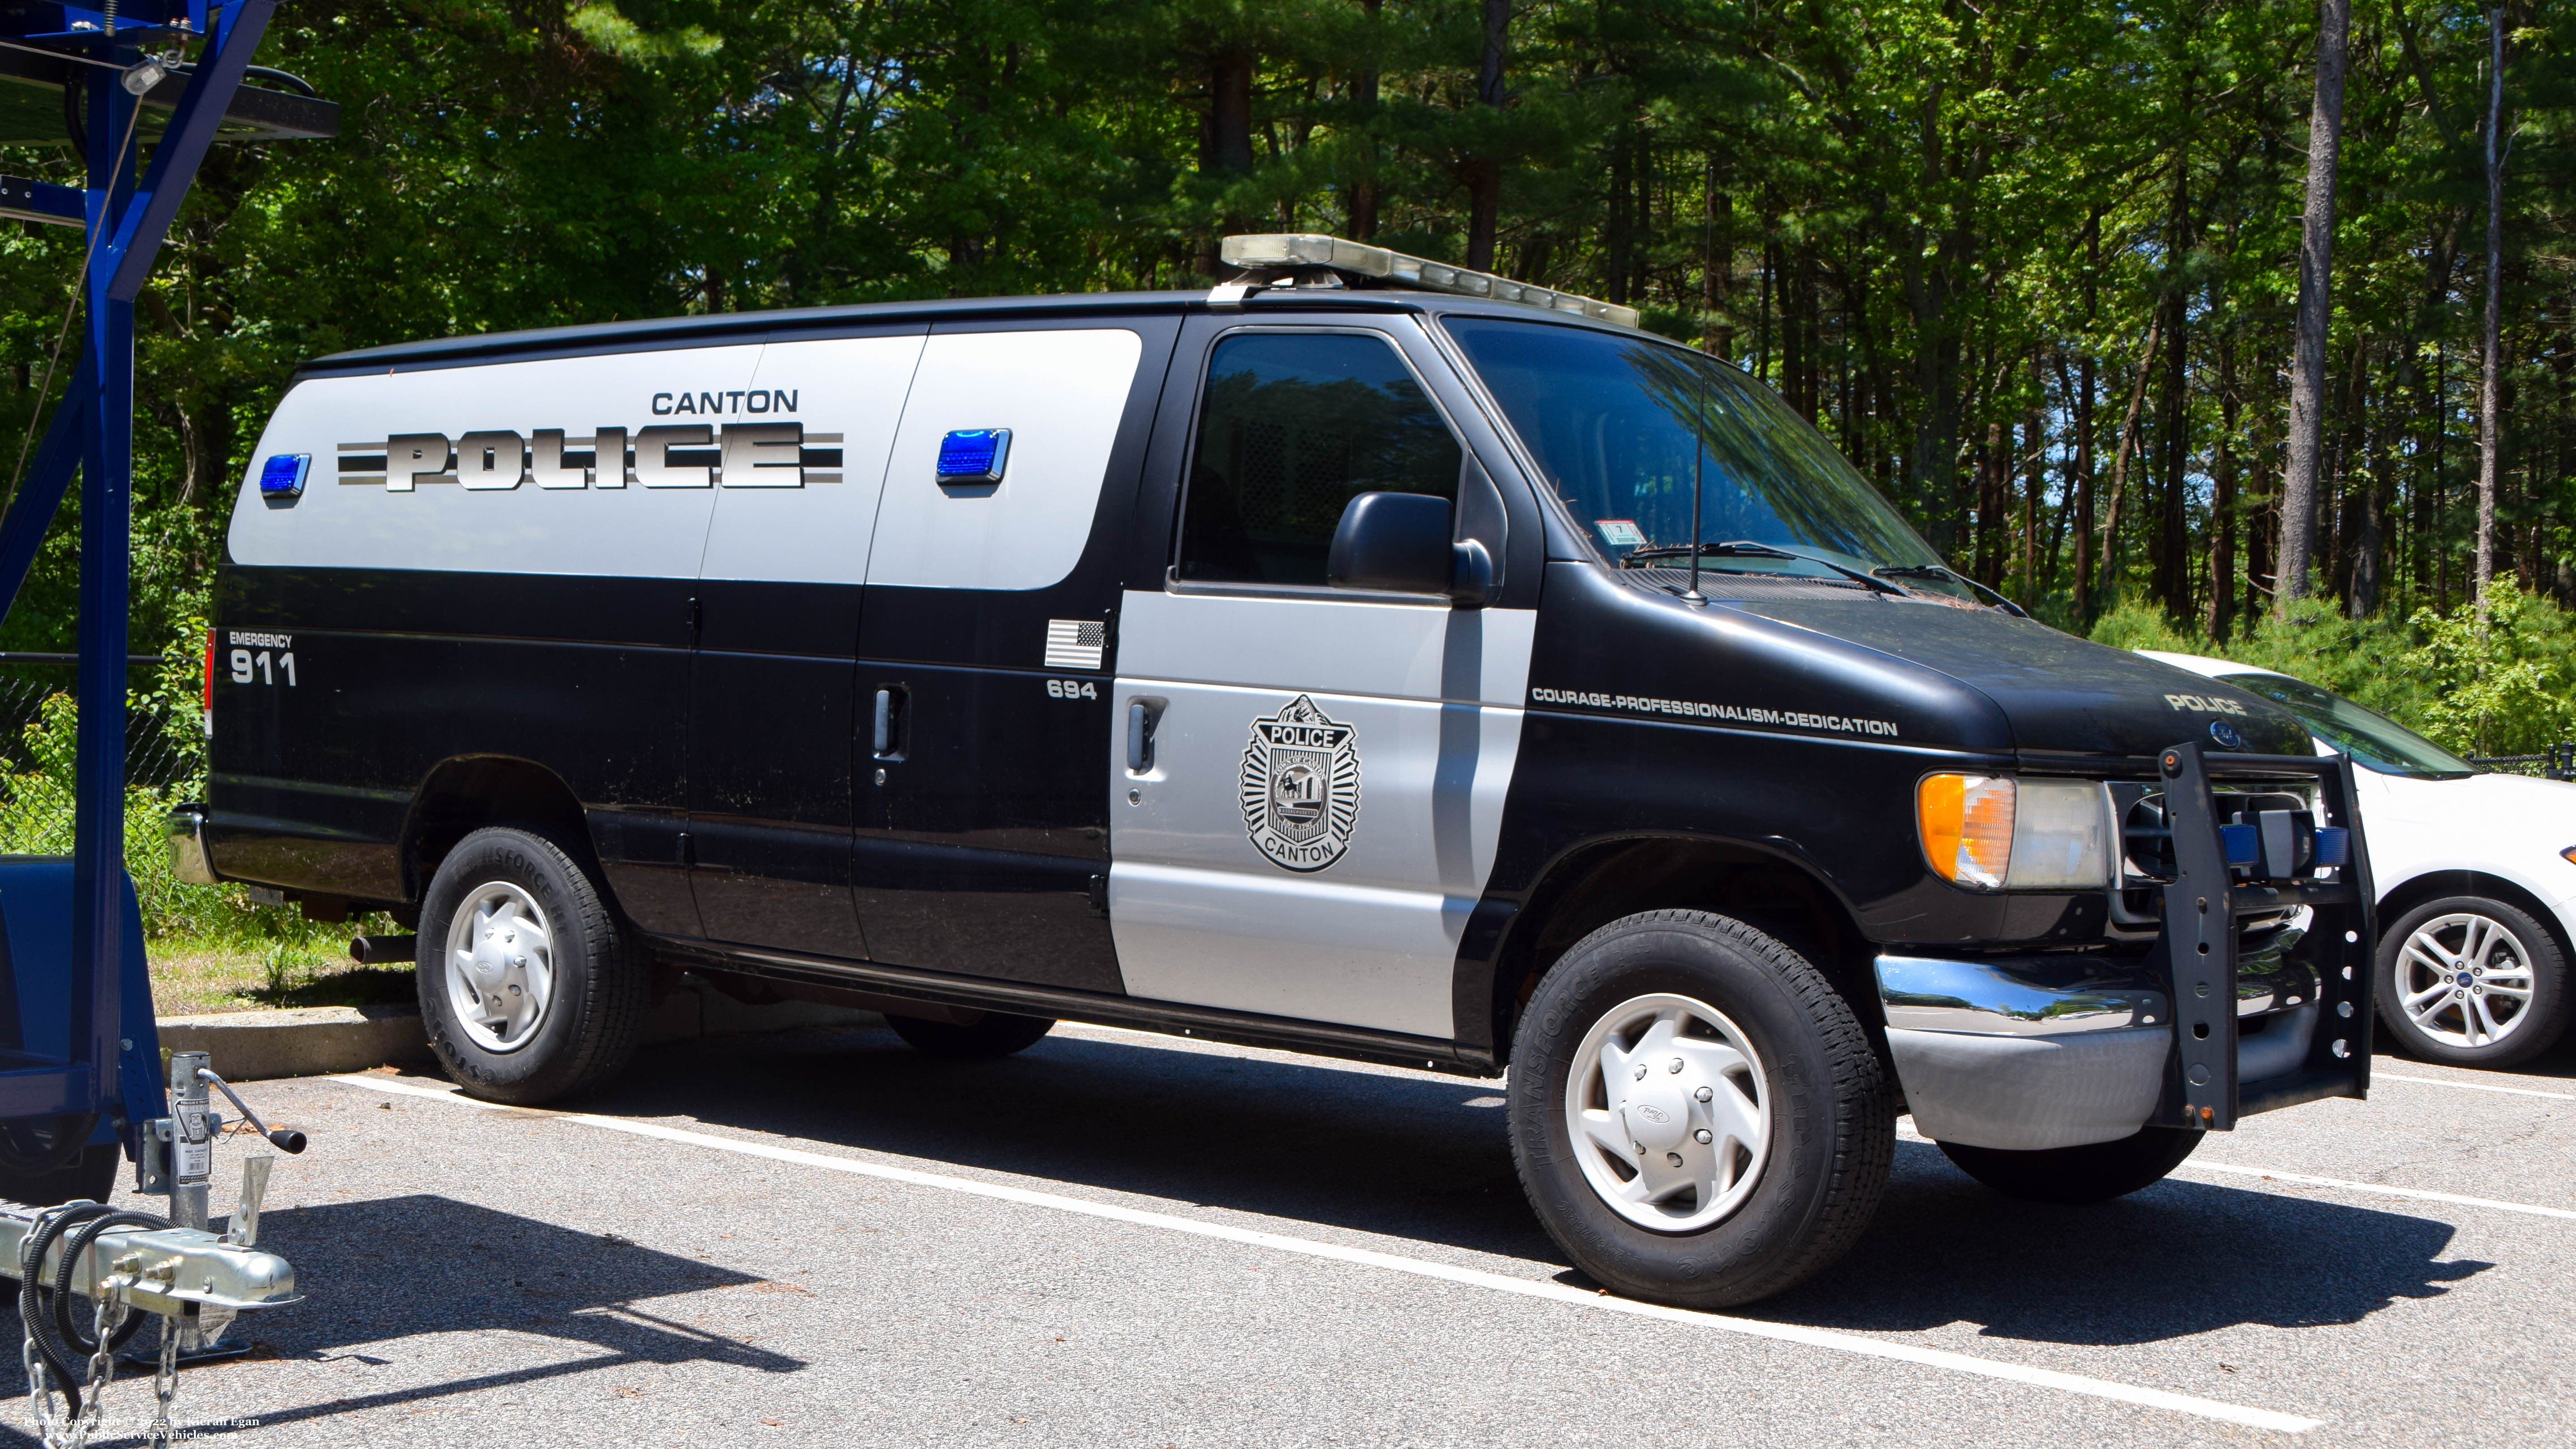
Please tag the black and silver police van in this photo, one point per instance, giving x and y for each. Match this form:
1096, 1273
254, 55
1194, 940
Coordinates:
1365, 657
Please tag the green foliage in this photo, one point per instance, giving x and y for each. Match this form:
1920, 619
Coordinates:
2505, 685
2501, 685
1941, 231
36, 819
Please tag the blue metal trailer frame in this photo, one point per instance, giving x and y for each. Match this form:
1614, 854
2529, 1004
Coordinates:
109, 1056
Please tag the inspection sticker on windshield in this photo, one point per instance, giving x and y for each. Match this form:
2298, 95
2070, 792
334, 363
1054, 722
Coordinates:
1732, 713
1620, 532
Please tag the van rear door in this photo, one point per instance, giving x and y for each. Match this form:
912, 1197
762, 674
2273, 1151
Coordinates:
798, 461
983, 845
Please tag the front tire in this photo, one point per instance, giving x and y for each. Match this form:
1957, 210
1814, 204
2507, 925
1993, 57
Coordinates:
2472, 981
2076, 1176
529, 989
1696, 1113
998, 1034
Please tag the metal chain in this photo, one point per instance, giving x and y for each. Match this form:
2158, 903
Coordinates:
59, 1428
107, 1315
40, 1378
165, 1382
40, 1393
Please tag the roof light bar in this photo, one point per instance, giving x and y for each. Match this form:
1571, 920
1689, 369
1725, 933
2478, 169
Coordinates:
1302, 249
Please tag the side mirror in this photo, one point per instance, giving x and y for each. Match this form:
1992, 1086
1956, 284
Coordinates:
1399, 543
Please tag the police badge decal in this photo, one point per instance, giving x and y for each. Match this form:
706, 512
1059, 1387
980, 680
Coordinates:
1301, 786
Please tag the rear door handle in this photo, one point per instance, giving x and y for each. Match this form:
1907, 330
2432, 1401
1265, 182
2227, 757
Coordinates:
893, 701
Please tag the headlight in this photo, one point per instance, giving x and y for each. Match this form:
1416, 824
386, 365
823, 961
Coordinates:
1993, 832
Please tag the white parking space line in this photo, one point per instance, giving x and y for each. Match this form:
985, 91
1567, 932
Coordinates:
2380, 1076
1390, 1262
2274, 1174
2348, 1185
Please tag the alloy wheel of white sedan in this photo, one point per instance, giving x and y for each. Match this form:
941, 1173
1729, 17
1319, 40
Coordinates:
1669, 1111
500, 966
2465, 979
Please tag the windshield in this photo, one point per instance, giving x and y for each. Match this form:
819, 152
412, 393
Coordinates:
1623, 427
2371, 739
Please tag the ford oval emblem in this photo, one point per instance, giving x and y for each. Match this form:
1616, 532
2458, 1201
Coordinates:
2226, 735
1653, 1114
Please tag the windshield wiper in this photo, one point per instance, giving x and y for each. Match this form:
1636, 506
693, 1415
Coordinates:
1936, 571
1746, 548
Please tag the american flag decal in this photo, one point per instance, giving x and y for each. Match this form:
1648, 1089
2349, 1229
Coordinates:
1075, 643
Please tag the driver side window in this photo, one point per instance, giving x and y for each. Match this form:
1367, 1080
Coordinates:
1291, 427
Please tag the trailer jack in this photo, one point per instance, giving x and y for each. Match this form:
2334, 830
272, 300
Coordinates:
134, 1265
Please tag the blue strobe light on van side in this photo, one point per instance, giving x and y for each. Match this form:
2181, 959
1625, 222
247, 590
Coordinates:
971, 457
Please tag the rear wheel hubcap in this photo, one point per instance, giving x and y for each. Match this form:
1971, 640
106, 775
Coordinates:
500, 966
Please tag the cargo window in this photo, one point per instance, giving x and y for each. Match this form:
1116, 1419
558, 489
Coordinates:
1292, 425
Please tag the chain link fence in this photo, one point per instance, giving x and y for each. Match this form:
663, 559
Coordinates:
155, 756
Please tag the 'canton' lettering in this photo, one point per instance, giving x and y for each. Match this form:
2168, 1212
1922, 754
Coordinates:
757, 400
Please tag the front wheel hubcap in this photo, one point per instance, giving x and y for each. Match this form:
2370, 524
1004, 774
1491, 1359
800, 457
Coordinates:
1669, 1112
500, 966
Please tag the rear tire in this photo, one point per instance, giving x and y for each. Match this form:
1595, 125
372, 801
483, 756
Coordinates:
528, 986
998, 1035
2513, 1008
2076, 1176
1665, 1026
91, 1175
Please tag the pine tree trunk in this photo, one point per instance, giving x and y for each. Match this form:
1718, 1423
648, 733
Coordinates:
1364, 92
1717, 271
1616, 241
2034, 445
2120, 457
1485, 173
2084, 404
2316, 278
2491, 335
2222, 501
1227, 147
2370, 536
2173, 559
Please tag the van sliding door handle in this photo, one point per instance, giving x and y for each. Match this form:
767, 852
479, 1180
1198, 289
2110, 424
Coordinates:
888, 738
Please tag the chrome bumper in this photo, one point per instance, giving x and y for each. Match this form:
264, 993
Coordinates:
188, 858
2034, 1052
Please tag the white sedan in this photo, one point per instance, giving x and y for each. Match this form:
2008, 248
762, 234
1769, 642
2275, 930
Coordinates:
2476, 877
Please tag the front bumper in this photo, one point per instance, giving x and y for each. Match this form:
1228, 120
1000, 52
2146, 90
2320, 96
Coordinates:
2034, 1052
2254, 994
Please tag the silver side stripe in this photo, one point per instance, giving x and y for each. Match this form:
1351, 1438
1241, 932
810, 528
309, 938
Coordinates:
1075, 643
362, 462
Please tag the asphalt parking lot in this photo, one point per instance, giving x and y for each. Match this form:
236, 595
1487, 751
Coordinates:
1118, 1239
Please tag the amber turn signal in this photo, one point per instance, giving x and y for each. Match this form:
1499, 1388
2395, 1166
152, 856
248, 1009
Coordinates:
1966, 822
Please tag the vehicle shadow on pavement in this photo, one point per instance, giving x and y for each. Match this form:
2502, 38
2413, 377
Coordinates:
2181, 1258
1427, 1159
461, 1269
2556, 1065
1405, 1155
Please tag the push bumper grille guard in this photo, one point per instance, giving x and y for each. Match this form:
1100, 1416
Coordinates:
2196, 955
